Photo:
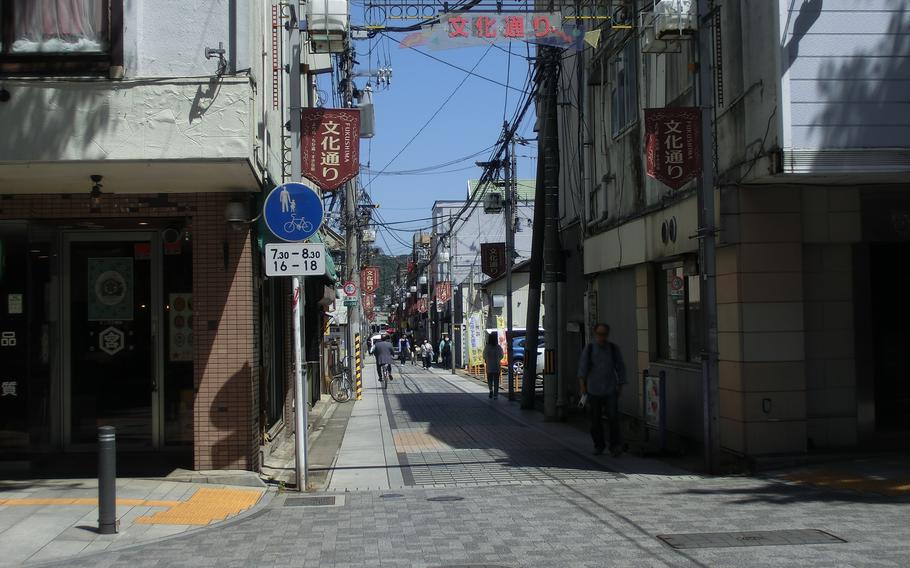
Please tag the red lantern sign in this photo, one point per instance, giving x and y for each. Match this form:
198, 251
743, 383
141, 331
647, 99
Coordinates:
330, 145
369, 279
422, 305
673, 144
493, 259
444, 291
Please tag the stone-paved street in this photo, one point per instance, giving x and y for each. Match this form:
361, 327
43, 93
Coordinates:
482, 486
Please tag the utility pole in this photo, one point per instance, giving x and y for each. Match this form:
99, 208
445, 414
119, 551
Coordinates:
706, 235
352, 246
301, 434
553, 271
451, 294
510, 253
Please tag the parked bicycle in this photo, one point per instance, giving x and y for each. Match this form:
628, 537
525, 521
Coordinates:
298, 224
342, 386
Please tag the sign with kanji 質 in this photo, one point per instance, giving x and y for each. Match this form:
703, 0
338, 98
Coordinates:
673, 144
330, 145
443, 291
493, 259
369, 279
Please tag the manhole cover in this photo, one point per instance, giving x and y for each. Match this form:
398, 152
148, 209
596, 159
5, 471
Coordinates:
310, 502
445, 498
750, 538
390, 495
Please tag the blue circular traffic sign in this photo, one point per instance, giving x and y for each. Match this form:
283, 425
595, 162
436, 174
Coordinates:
293, 212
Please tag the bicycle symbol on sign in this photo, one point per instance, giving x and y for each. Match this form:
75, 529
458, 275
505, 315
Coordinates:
298, 224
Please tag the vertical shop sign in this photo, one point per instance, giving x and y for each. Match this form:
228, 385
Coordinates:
110, 289
369, 279
330, 145
673, 144
493, 259
444, 291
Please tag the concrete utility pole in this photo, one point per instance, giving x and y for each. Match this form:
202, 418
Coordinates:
451, 294
535, 276
352, 244
301, 407
553, 271
707, 235
510, 256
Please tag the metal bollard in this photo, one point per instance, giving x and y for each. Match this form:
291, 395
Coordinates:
107, 480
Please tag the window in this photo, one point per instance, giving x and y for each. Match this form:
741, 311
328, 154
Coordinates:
60, 36
679, 317
623, 89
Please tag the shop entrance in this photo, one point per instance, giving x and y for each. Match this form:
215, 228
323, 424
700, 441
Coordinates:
890, 281
127, 341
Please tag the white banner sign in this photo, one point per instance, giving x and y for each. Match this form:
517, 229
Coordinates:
294, 259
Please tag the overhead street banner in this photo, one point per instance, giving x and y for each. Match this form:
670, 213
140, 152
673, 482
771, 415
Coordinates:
462, 29
422, 305
330, 145
673, 144
493, 259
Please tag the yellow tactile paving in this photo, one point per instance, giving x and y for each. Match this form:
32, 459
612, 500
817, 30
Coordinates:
205, 506
852, 481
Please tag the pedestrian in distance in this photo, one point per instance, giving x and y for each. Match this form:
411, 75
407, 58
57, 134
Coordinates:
492, 356
427, 354
384, 353
446, 351
601, 375
404, 349
415, 350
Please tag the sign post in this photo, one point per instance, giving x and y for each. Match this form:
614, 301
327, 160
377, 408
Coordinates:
293, 212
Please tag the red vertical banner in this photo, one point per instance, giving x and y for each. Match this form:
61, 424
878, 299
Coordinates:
369, 301
369, 279
422, 305
493, 259
330, 145
673, 144
444, 291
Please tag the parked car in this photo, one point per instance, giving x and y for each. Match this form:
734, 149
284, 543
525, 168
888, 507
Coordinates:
518, 355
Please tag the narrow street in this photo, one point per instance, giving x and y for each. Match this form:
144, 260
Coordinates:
431, 472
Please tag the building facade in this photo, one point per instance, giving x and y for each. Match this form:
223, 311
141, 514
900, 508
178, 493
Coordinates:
140, 138
812, 162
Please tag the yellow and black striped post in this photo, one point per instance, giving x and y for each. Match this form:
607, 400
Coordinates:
358, 368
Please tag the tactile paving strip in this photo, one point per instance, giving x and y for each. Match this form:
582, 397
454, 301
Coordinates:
205, 506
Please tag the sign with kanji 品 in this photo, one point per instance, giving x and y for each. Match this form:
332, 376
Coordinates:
493, 259
330, 145
673, 144
444, 291
369, 279
422, 305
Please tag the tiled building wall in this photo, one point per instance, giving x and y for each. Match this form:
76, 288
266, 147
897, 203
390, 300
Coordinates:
226, 365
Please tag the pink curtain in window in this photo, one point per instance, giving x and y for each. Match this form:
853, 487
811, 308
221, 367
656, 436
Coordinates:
58, 25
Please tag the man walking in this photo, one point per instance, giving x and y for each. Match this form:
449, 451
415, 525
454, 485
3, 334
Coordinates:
384, 354
601, 374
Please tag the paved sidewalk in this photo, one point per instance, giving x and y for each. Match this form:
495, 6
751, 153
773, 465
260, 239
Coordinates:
43, 520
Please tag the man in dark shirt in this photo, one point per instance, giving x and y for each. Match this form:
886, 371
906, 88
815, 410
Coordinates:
384, 353
601, 374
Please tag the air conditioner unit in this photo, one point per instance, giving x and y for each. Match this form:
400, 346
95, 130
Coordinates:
674, 19
650, 43
327, 25
492, 202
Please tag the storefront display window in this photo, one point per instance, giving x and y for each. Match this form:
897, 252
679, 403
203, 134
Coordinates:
679, 317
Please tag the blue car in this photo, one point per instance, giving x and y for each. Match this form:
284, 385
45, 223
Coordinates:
518, 355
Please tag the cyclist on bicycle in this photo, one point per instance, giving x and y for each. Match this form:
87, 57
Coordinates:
383, 352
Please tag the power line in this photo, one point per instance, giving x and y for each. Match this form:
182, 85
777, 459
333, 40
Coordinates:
453, 66
429, 120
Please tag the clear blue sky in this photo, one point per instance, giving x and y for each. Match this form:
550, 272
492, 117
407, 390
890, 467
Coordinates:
471, 121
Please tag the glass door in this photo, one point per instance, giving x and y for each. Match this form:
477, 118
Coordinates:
113, 301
